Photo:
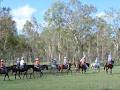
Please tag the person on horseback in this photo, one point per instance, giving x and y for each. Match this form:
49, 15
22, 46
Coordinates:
97, 62
22, 63
18, 62
37, 63
109, 59
54, 63
66, 61
2, 65
83, 61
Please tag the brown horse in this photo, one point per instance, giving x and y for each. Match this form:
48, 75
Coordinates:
67, 67
109, 66
79, 66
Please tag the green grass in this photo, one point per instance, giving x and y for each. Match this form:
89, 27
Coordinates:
76, 81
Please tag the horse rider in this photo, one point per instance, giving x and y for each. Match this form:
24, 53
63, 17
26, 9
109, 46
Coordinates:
22, 62
2, 65
37, 63
66, 61
54, 62
18, 62
97, 62
109, 59
83, 61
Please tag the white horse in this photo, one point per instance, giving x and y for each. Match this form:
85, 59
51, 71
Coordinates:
96, 66
54, 66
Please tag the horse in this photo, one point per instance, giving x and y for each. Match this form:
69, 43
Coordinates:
96, 66
18, 70
84, 66
67, 67
54, 67
79, 66
109, 66
5, 71
38, 69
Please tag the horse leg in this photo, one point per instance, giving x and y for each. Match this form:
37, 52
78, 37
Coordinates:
110, 71
41, 73
61, 70
5, 77
19, 75
71, 71
67, 71
8, 76
23, 75
15, 75
76, 69
82, 70
30, 75
26, 74
99, 69
33, 74
107, 70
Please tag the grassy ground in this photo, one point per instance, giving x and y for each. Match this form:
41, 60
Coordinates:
75, 81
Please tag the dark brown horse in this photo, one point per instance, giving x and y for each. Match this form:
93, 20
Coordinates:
5, 71
38, 69
79, 66
109, 66
18, 71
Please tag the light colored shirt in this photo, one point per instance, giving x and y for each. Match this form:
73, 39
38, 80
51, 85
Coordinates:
109, 57
65, 60
83, 60
96, 61
18, 61
22, 62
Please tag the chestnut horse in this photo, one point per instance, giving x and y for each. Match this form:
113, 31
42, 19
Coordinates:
67, 67
109, 66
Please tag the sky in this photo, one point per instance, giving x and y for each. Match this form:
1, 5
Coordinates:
23, 10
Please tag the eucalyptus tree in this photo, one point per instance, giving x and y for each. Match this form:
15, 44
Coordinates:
103, 38
55, 17
8, 32
73, 18
114, 21
31, 31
